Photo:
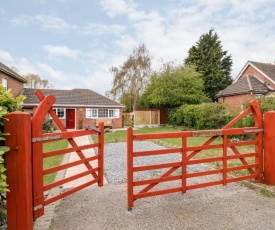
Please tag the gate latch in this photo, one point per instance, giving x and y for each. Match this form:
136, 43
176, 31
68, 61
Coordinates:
37, 207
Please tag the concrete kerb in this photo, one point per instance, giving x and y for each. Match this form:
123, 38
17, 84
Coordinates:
44, 222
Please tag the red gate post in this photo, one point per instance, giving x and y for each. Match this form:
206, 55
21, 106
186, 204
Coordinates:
130, 170
101, 154
269, 148
19, 171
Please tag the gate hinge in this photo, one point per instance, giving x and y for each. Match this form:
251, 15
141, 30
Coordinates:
262, 175
36, 139
37, 207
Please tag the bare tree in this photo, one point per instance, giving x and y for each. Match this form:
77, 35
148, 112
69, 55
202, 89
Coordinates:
35, 82
131, 78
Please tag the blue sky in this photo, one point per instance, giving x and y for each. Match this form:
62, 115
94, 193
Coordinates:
74, 43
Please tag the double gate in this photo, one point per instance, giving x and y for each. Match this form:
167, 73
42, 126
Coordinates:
219, 141
25, 171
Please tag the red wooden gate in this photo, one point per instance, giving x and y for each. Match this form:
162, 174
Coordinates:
229, 151
38, 138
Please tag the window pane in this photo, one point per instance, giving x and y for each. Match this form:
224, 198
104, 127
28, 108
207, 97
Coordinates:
5, 83
111, 113
94, 112
60, 112
102, 112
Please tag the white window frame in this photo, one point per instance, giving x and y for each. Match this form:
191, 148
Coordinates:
94, 113
117, 111
56, 112
258, 95
5, 83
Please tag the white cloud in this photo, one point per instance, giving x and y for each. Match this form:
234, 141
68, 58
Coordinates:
61, 51
114, 8
53, 23
22, 20
6, 56
102, 29
50, 73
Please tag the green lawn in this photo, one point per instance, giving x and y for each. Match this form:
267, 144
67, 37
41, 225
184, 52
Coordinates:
50, 162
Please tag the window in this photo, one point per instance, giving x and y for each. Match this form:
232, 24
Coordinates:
102, 113
94, 113
111, 113
116, 113
60, 112
258, 95
5, 83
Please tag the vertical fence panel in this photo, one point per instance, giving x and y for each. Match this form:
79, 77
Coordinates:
19, 171
269, 148
101, 154
130, 177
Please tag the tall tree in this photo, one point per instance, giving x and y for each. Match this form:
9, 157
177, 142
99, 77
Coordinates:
173, 86
131, 78
35, 82
212, 62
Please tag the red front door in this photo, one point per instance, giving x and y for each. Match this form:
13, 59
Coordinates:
70, 118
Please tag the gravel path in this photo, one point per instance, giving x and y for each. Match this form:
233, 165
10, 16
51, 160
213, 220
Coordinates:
115, 161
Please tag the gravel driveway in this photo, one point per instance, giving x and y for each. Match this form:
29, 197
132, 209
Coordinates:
231, 207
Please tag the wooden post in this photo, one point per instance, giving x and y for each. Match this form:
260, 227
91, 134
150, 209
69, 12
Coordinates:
269, 148
101, 154
130, 170
19, 171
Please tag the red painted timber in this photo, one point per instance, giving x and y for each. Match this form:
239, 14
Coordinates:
269, 148
130, 170
19, 171
187, 159
101, 154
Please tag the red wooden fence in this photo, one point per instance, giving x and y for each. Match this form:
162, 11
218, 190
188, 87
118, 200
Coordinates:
189, 152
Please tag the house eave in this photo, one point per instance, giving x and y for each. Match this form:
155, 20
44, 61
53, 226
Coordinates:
246, 92
77, 106
12, 75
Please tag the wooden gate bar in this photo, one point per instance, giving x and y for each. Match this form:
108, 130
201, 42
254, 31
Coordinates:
68, 179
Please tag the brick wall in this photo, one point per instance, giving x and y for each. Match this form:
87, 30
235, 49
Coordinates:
235, 102
13, 84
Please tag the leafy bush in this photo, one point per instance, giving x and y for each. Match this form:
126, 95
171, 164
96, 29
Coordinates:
266, 104
205, 116
7, 104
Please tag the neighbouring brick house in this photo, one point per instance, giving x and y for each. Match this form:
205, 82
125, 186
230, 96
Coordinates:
78, 108
255, 80
11, 80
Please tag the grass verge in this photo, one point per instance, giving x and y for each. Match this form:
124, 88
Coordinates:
50, 162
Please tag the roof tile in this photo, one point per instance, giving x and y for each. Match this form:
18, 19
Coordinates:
74, 97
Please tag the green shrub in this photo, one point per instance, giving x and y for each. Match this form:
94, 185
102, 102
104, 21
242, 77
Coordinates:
7, 104
266, 104
205, 116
